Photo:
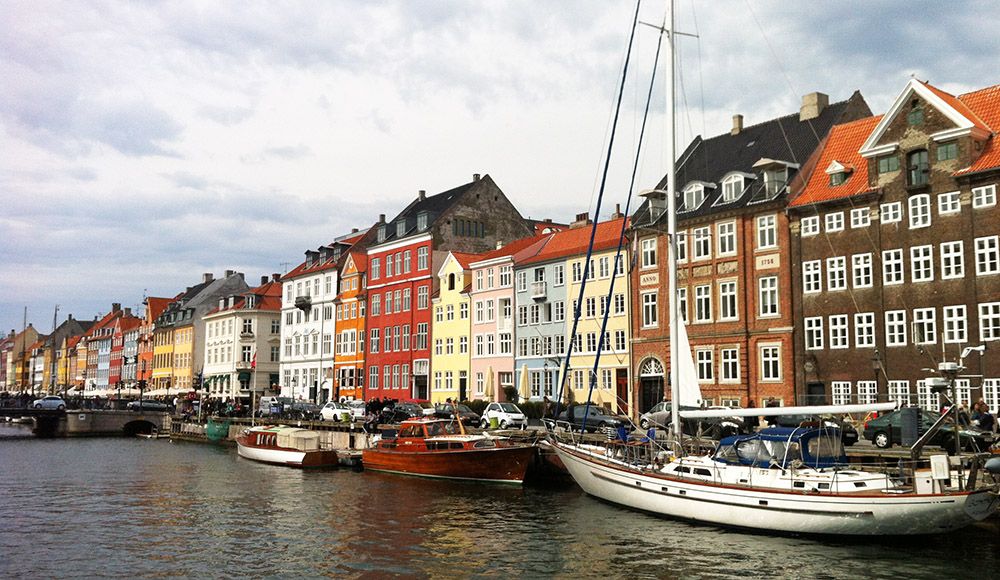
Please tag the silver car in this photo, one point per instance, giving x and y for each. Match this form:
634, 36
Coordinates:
51, 402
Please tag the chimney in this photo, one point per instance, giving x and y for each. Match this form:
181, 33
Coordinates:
242, 276
276, 277
812, 105
737, 125
230, 273
354, 230
547, 220
422, 195
263, 280
582, 219
128, 313
499, 244
618, 212
381, 218
116, 306
475, 177
207, 277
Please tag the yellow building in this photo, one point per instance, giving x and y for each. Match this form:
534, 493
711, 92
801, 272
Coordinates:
451, 329
163, 356
183, 352
613, 371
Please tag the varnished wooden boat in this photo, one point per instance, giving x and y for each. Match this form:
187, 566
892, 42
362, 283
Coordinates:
285, 446
440, 448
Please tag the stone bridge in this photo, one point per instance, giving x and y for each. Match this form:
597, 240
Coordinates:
86, 422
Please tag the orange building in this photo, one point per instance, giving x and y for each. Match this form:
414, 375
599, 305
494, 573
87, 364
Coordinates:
349, 349
154, 308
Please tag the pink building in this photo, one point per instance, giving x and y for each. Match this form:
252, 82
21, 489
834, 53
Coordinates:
492, 298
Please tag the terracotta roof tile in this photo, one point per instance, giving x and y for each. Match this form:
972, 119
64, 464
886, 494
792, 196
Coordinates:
464, 259
575, 241
842, 145
516, 247
155, 306
986, 104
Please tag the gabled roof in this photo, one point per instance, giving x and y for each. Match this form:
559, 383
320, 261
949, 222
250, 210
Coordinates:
434, 206
129, 323
785, 139
155, 306
334, 259
841, 148
986, 104
266, 297
73, 341
575, 241
107, 321
518, 249
360, 260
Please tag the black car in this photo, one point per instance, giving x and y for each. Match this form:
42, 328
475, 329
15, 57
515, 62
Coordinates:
446, 411
848, 434
302, 410
596, 420
886, 431
147, 406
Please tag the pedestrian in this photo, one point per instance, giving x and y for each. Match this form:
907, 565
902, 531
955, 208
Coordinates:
753, 421
546, 407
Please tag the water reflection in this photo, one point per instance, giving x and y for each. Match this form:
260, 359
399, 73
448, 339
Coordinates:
124, 507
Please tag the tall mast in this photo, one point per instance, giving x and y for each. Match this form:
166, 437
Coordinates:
673, 319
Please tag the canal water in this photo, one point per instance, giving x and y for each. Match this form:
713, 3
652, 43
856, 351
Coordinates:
115, 507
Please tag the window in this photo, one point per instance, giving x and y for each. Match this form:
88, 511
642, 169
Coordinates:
387, 377
892, 267
766, 232
649, 311
682, 303
954, 325
860, 217
841, 392
705, 364
505, 343
463, 345
922, 263
732, 186
917, 169
649, 253
812, 277
834, 221
422, 302
891, 212
770, 362
406, 300
987, 259
861, 270
767, 292
814, 333
388, 266
373, 377
681, 248
479, 280
946, 151
449, 312
836, 273
727, 299
420, 341
604, 267
838, 178
949, 203
895, 328
810, 226
952, 260
920, 211
924, 326
480, 311
989, 321
726, 233
899, 391
522, 281
558, 311
621, 343
730, 364
985, 196
702, 243
406, 261
505, 275
558, 275
888, 164
422, 258
703, 303
838, 331
867, 392
864, 329
694, 194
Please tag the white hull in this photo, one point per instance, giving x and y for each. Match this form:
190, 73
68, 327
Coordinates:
790, 512
276, 456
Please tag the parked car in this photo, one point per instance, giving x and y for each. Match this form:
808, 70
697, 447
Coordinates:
508, 415
415, 410
147, 406
596, 419
886, 431
715, 427
848, 434
465, 414
302, 410
334, 411
357, 408
272, 405
50, 402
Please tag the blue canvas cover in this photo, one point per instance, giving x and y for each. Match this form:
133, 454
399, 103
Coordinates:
780, 446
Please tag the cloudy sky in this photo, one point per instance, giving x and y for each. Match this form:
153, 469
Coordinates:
145, 143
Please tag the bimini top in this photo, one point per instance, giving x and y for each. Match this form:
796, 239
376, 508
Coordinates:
781, 446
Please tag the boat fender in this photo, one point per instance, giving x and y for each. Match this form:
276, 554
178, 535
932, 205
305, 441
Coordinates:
993, 466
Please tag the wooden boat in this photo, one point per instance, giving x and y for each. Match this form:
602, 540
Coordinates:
282, 445
441, 448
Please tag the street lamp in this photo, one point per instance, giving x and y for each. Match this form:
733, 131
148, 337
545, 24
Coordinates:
295, 382
876, 367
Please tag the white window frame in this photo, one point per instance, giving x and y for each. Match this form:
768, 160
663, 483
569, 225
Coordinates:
919, 211
864, 330
949, 203
729, 364
766, 231
861, 217
956, 325
702, 244
809, 226
841, 391
812, 277
703, 297
839, 334
989, 321
952, 260
924, 326
769, 354
768, 299
705, 364
813, 332
987, 255
861, 270
650, 316
893, 267
728, 290
895, 328
891, 213
725, 233
984, 196
833, 222
836, 273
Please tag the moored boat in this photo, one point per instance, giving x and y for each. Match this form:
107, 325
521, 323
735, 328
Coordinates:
441, 448
282, 445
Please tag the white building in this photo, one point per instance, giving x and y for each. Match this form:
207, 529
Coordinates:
243, 343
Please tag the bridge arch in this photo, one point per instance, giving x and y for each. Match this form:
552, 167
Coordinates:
133, 428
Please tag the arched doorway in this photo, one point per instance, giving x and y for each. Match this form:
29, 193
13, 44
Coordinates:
650, 384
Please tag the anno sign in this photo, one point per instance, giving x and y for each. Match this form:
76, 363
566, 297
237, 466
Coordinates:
650, 279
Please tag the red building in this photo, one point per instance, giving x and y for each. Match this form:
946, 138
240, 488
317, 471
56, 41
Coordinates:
407, 250
154, 308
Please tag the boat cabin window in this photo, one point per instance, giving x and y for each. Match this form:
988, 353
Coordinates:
826, 447
411, 431
485, 443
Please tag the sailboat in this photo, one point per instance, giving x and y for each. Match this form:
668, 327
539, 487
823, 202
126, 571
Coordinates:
787, 480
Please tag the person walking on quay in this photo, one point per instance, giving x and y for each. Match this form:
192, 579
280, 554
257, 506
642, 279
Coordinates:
546, 407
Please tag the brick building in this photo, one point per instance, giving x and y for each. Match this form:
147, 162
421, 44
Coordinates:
734, 282
895, 252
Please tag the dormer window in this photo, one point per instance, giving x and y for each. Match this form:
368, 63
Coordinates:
422, 221
400, 228
732, 187
775, 179
946, 151
838, 178
381, 233
918, 170
694, 194
838, 173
